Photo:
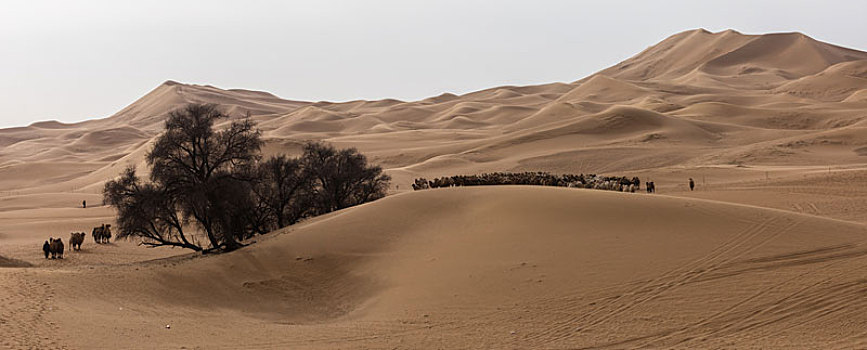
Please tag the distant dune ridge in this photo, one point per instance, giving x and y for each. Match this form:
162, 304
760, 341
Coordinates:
773, 124
719, 91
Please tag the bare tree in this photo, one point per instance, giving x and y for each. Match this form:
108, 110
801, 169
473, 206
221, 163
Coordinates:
342, 178
284, 189
198, 175
196, 165
146, 211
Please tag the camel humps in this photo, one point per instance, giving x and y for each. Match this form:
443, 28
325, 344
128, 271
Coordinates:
76, 239
102, 234
55, 248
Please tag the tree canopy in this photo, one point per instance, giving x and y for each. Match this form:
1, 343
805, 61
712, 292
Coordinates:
214, 182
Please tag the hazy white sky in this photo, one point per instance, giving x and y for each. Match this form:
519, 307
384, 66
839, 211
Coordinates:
76, 60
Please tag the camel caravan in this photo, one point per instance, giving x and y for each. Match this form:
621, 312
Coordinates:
591, 181
53, 247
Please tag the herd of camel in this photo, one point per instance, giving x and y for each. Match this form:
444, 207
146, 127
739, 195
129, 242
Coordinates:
592, 181
53, 247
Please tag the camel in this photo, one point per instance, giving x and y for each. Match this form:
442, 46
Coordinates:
102, 234
97, 233
56, 246
76, 239
106, 233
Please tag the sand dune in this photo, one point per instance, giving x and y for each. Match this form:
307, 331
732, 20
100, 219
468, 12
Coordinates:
833, 84
772, 124
448, 268
726, 80
733, 54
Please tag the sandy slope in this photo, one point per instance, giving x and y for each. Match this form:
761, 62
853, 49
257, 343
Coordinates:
464, 268
774, 121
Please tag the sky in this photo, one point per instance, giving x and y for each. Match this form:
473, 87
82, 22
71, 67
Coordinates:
78, 60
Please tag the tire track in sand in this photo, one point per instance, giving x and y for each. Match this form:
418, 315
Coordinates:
726, 321
24, 305
728, 251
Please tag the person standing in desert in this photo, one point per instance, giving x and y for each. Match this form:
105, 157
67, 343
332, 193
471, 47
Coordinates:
46, 248
691, 184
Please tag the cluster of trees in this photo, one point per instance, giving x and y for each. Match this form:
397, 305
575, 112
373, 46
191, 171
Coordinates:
215, 184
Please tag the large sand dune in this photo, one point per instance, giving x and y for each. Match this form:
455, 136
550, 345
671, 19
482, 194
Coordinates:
512, 267
772, 124
718, 92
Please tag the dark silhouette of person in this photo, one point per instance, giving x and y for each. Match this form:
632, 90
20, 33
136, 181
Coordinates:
691, 184
84, 204
46, 248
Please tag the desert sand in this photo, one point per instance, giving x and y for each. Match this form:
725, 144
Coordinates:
769, 251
